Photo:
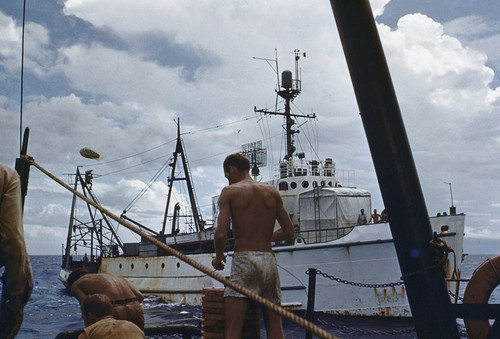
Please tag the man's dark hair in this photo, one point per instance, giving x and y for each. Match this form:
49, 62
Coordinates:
237, 160
98, 304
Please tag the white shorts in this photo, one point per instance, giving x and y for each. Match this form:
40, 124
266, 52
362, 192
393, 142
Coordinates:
258, 272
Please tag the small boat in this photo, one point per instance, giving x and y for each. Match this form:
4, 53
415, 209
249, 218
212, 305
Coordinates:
356, 264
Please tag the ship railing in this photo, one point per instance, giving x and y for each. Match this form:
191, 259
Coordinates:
323, 235
302, 167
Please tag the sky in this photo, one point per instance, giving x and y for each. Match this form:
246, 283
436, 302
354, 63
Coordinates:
115, 76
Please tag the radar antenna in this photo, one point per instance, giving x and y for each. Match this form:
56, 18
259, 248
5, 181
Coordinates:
256, 155
290, 89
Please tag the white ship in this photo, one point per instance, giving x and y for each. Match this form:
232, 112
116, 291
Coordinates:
357, 270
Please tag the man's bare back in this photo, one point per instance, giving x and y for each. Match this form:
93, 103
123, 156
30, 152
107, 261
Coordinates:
125, 297
113, 285
253, 206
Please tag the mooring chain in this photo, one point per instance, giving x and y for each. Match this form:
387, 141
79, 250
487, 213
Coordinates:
437, 244
347, 282
455, 296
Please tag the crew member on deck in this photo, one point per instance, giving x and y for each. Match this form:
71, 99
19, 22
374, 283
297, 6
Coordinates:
362, 218
126, 298
97, 314
17, 280
384, 217
88, 178
252, 209
375, 218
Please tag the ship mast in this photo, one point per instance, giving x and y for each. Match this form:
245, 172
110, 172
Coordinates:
289, 90
179, 151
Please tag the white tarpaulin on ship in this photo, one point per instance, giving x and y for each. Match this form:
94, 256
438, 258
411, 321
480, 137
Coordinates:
325, 211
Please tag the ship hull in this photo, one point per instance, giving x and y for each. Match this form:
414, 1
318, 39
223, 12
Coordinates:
358, 275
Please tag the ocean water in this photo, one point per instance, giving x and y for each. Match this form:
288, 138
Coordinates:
52, 310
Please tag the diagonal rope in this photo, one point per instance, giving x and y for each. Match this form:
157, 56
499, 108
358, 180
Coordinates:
219, 277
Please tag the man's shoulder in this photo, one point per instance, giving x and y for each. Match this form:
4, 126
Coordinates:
260, 186
108, 327
8, 172
270, 189
92, 278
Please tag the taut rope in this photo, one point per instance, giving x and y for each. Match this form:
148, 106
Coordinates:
252, 295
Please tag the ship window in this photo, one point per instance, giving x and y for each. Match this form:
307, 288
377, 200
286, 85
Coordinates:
132, 266
120, 266
283, 186
305, 184
293, 185
147, 266
330, 184
315, 184
162, 265
178, 265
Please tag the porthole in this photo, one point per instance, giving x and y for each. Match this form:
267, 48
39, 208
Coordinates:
162, 265
293, 185
283, 186
305, 184
178, 264
120, 266
132, 266
147, 265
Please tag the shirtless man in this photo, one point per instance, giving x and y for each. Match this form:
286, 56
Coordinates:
97, 314
124, 296
375, 218
252, 208
17, 280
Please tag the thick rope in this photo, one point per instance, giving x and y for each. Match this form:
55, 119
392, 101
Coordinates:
438, 245
250, 294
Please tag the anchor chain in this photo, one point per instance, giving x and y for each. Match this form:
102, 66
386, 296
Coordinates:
347, 282
357, 284
455, 296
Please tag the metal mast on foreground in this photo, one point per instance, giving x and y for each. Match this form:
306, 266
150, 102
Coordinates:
396, 172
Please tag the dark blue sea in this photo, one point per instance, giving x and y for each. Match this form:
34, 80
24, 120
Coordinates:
52, 310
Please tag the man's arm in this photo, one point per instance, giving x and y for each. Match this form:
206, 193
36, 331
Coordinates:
137, 293
220, 236
77, 291
286, 231
17, 278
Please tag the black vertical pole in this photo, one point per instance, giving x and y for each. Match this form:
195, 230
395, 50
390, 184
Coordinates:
311, 295
22, 167
395, 168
